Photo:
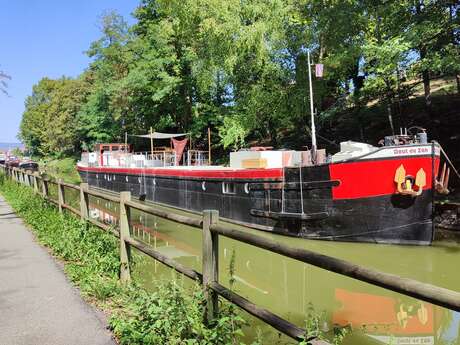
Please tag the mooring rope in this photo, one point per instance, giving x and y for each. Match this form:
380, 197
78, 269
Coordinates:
449, 161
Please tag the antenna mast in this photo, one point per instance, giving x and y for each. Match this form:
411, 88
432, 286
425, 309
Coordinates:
313, 129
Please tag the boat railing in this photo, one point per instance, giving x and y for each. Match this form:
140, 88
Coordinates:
151, 159
197, 158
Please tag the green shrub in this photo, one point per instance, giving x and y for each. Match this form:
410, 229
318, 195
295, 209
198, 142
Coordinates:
172, 314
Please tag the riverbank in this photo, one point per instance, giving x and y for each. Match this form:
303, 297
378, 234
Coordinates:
171, 314
65, 169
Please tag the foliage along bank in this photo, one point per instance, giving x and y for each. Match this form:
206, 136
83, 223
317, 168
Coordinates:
240, 68
172, 314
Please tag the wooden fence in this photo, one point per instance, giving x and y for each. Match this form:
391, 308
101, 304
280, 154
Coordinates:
211, 230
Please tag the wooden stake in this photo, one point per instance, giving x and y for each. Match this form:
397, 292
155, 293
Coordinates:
210, 263
84, 203
125, 249
44, 188
36, 182
60, 190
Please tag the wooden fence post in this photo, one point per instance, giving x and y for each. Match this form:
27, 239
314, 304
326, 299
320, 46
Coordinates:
44, 188
125, 249
84, 204
29, 181
210, 260
60, 190
36, 182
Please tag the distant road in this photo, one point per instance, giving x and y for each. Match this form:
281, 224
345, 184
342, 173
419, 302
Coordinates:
10, 146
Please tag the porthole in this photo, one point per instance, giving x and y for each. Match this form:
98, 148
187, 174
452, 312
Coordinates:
228, 188
246, 188
203, 185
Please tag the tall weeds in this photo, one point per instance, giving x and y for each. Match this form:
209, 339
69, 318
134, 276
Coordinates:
172, 314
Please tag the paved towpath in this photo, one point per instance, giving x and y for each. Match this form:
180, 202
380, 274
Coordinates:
38, 305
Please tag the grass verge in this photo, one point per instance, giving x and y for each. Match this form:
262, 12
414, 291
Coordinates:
172, 314
65, 168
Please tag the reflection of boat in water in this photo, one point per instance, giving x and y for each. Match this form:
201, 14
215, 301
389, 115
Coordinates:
286, 286
390, 320
361, 194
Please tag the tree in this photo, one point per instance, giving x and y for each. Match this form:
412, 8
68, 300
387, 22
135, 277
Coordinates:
48, 125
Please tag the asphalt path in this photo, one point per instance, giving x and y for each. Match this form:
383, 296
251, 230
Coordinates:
38, 305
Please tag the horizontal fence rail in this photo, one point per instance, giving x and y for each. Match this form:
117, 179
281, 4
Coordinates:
211, 230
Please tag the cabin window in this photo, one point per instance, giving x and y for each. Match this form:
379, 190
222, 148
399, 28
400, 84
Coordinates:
228, 188
106, 148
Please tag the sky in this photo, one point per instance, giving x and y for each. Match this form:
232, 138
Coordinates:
46, 38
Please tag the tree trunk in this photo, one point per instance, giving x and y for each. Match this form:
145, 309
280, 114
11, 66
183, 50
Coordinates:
452, 36
186, 95
390, 117
425, 72
427, 88
457, 77
185, 88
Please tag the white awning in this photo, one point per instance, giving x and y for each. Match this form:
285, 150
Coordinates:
158, 135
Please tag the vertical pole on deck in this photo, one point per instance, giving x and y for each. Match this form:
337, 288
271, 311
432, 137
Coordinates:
125, 249
84, 204
209, 146
151, 141
312, 113
210, 263
60, 190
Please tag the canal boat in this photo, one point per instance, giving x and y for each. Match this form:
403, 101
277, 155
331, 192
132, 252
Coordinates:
362, 193
28, 164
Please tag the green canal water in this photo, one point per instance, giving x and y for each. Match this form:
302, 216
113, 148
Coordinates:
290, 288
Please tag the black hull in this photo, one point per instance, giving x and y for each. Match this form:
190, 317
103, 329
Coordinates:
392, 219
31, 166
